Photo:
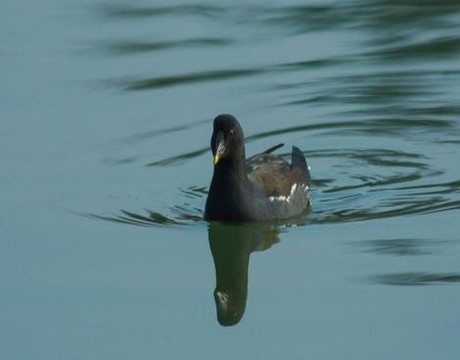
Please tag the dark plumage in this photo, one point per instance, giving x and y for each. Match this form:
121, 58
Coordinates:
262, 188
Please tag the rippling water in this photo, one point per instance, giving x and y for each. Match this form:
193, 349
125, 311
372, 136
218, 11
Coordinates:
107, 111
379, 101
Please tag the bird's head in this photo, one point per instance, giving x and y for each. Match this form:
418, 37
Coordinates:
227, 141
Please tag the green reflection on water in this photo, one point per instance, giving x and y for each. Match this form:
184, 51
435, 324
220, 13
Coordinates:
231, 247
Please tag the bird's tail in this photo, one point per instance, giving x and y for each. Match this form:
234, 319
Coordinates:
298, 160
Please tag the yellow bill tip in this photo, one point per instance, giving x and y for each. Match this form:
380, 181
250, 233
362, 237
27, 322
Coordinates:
216, 159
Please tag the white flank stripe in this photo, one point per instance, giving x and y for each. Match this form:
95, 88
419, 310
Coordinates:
287, 198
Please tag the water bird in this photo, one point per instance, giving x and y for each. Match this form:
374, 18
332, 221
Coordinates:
261, 188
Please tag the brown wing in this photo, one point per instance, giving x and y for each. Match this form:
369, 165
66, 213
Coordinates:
271, 174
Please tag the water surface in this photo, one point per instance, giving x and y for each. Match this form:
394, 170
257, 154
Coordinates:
106, 113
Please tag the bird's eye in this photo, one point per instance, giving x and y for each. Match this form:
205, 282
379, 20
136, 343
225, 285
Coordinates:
231, 133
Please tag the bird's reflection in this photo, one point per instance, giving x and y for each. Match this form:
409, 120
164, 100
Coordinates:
231, 247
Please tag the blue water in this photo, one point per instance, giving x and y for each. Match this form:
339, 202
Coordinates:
106, 113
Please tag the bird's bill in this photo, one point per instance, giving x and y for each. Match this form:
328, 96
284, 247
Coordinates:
220, 148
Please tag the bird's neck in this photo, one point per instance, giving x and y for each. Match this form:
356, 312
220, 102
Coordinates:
231, 173
229, 188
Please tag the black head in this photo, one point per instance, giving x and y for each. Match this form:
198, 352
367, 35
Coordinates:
227, 141
230, 307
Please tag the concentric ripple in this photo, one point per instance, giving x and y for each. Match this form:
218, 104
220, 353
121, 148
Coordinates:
375, 110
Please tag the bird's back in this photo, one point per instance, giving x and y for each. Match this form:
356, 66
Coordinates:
281, 189
274, 176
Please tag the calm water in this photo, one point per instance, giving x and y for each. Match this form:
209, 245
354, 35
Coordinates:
106, 113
